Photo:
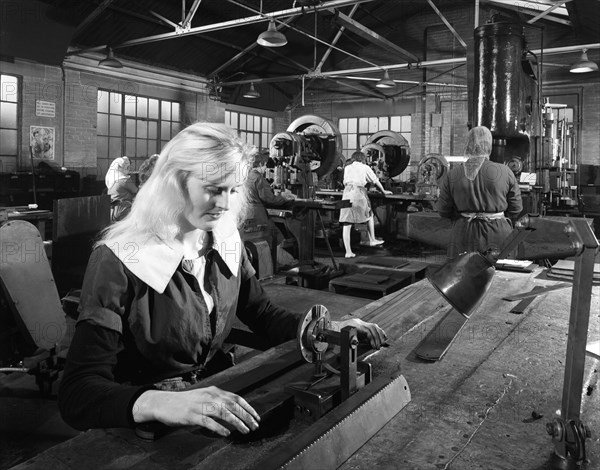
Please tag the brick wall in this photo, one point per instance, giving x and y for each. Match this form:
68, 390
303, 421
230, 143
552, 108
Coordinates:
590, 126
39, 83
80, 121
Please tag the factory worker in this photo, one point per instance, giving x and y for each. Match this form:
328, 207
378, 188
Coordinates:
357, 174
481, 197
161, 292
120, 187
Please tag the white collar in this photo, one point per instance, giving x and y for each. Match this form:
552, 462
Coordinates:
155, 261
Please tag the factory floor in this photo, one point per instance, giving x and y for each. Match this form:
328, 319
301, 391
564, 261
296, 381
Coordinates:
30, 424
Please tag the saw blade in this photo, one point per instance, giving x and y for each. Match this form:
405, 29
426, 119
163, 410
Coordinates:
331, 440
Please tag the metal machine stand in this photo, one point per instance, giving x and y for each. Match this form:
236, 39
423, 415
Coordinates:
328, 386
568, 431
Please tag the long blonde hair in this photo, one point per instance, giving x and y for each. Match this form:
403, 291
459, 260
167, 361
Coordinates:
203, 150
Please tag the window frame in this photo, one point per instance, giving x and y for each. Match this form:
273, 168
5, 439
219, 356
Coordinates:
10, 163
262, 137
356, 130
126, 118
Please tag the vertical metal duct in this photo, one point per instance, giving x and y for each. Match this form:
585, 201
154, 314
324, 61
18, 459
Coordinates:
504, 89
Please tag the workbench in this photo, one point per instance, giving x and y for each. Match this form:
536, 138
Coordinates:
470, 410
392, 203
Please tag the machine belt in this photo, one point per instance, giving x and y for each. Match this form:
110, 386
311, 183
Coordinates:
331, 440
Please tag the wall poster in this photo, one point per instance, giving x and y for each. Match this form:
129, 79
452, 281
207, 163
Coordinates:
41, 140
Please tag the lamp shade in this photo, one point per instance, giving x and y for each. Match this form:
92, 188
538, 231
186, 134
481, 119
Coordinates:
110, 61
271, 37
386, 81
464, 281
252, 92
584, 65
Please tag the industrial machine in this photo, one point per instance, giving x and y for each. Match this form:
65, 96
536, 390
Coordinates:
31, 315
558, 159
388, 154
505, 91
430, 171
310, 149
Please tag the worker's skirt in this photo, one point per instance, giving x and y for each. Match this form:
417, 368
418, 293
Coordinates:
360, 212
477, 234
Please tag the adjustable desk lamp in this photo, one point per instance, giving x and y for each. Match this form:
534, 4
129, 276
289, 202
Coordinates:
463, 282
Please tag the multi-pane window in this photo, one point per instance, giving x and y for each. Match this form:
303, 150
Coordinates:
357, 130
136, 126
256, 130
9, 131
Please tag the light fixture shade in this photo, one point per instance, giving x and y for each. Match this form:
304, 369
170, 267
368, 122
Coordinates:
252, 92
464, 281
110, 61
584, 65
271, 37
386, 81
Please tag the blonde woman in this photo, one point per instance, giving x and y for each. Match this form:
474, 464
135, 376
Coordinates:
162, 290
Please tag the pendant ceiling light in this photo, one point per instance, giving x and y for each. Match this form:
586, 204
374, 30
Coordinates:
584, 65
271, 37
252, 92
386, 81
110, 61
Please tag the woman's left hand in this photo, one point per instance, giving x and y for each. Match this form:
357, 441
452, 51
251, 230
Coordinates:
369, 331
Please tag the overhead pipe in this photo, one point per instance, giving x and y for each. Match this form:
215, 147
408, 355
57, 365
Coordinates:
459, 60
425, 63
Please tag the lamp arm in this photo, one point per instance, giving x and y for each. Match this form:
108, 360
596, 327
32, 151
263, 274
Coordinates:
511, 243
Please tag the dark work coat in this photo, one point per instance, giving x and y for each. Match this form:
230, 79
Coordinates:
494, 189
143, 319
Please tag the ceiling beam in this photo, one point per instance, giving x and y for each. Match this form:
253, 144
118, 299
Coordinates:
337, 37
188, 19
429, 63
92, 16
261, 18
526, 8
238, 56
406, 82
372, 36
235, 2
546, 12
447, 23
362, 89
326, 54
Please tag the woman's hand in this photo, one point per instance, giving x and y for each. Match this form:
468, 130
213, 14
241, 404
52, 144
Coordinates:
369, 331
210, 407
387, 192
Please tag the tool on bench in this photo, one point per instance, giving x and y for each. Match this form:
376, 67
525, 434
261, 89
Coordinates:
345, 404
529, 297
439, 339
318, 387
535, 292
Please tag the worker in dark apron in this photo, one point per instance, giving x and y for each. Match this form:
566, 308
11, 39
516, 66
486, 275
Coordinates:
481, 197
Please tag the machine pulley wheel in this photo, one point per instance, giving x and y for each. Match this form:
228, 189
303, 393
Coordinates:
310, 328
